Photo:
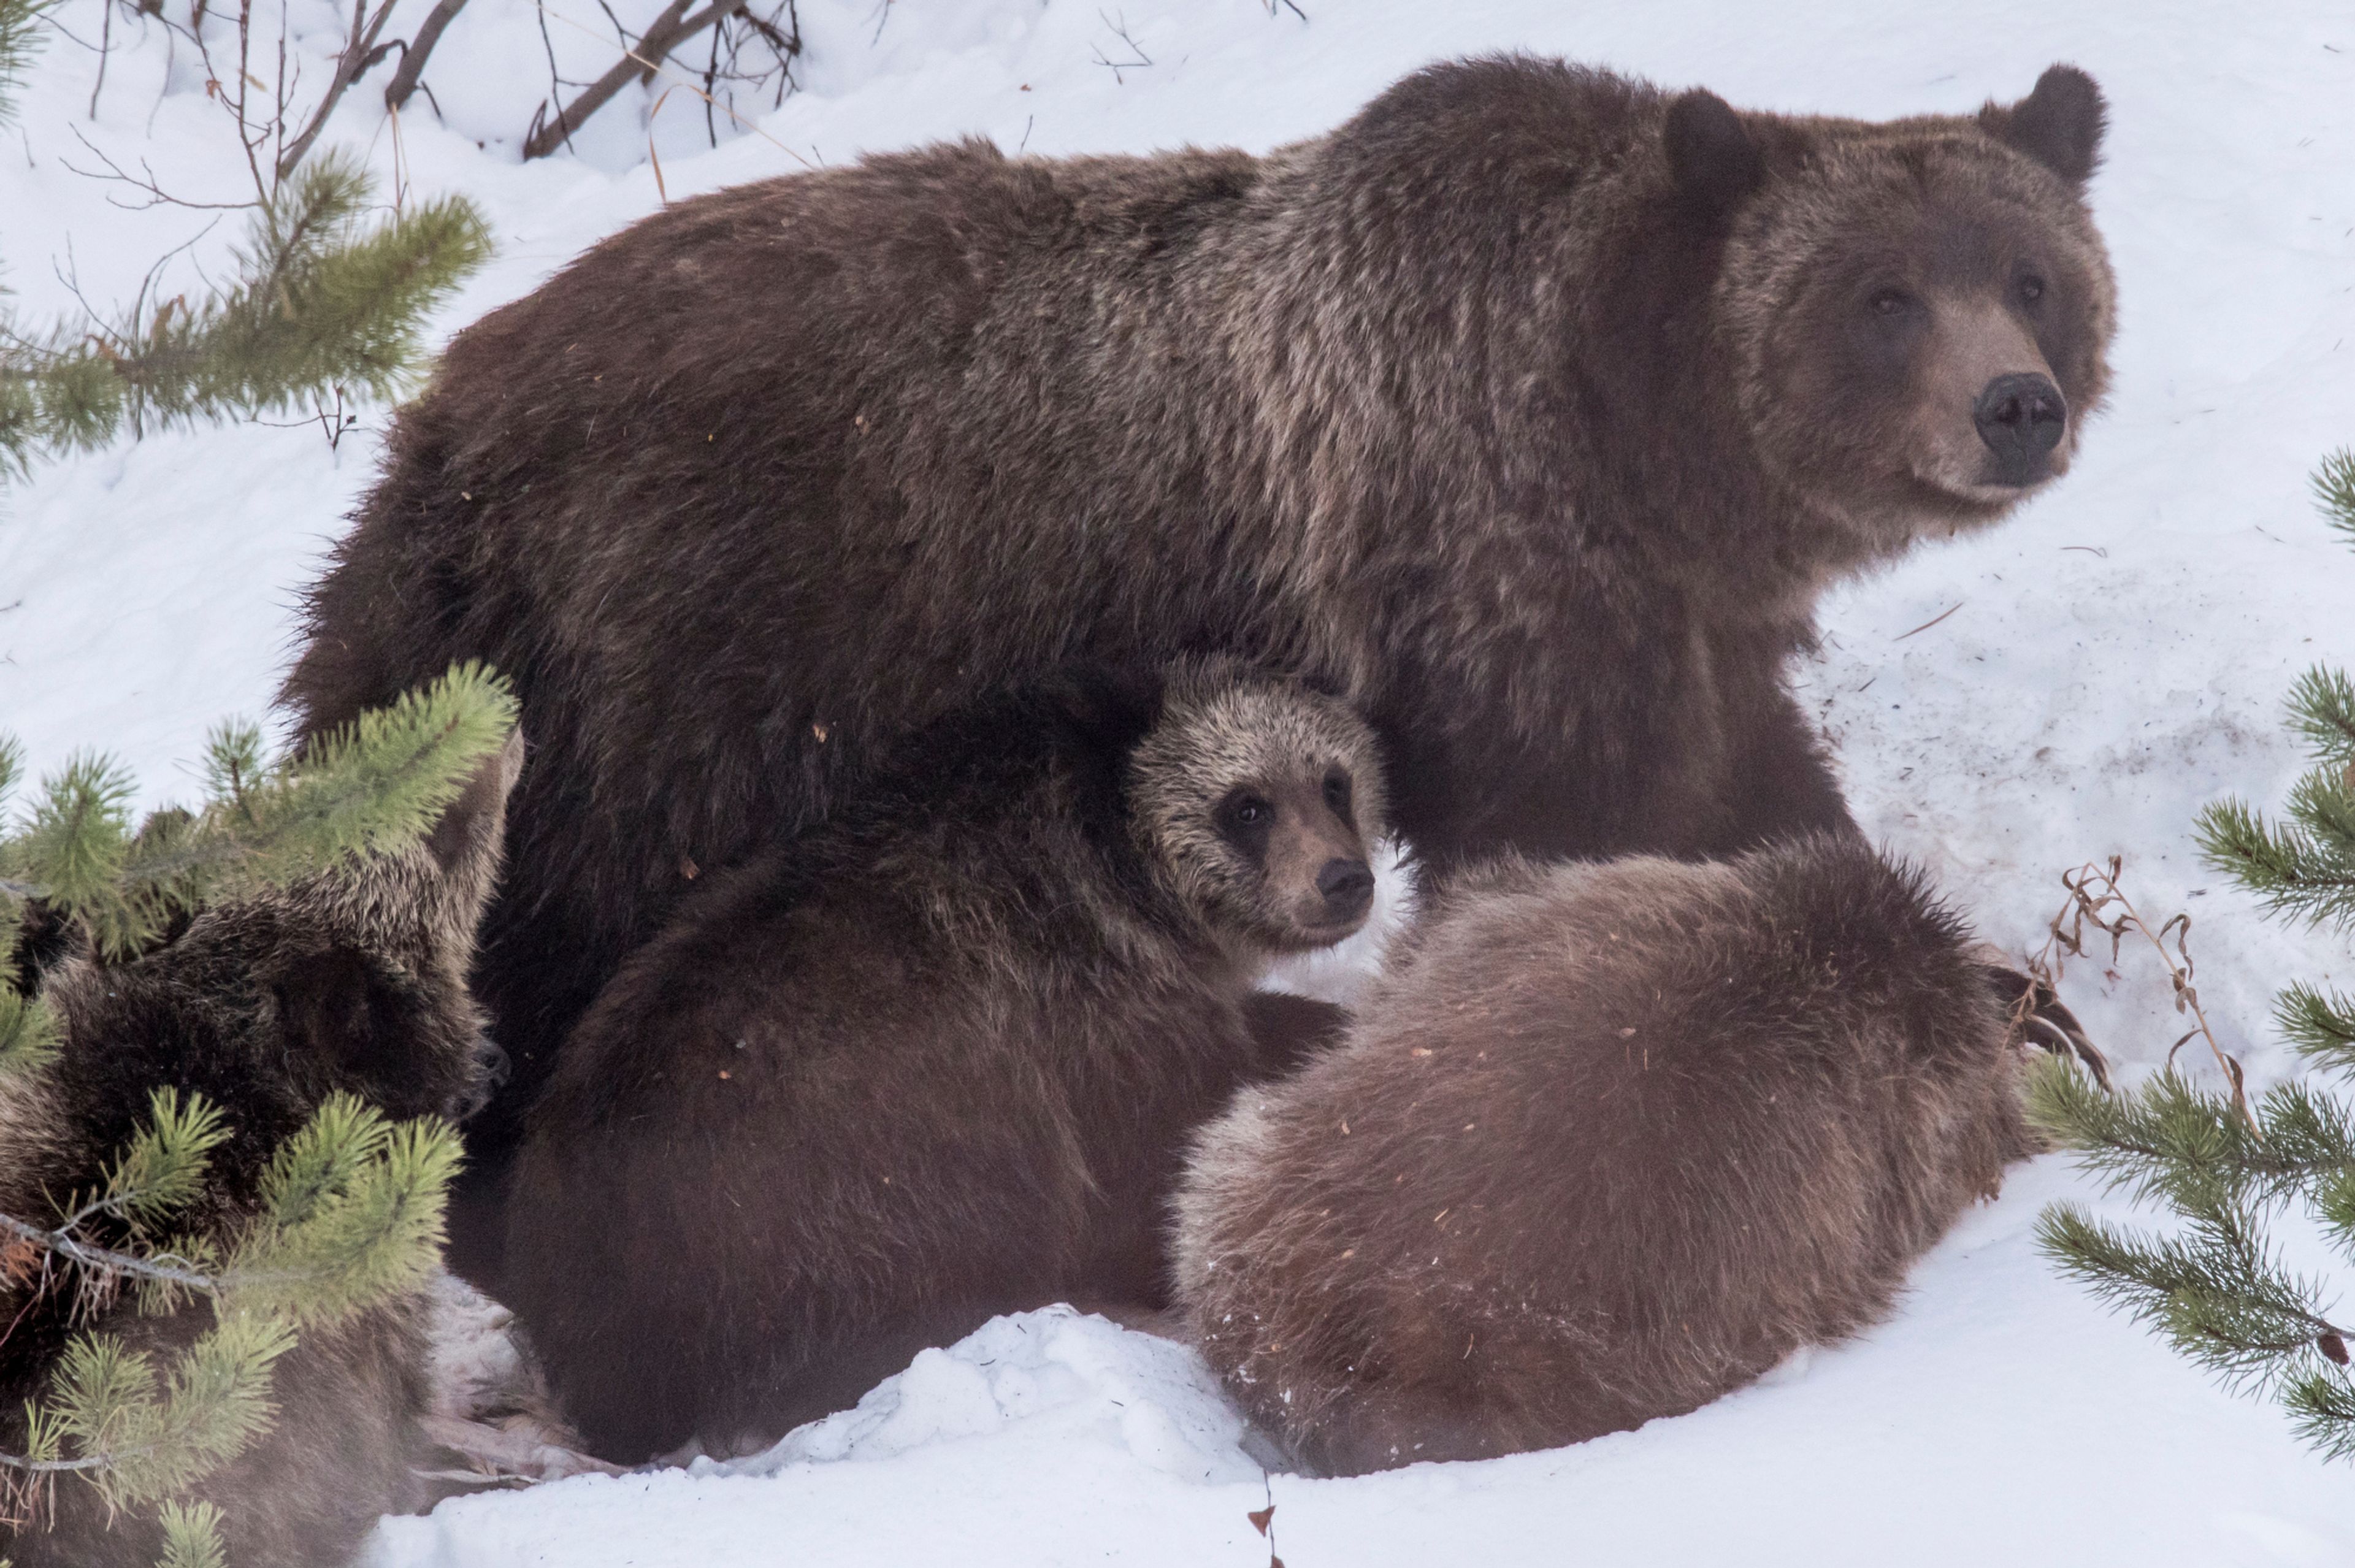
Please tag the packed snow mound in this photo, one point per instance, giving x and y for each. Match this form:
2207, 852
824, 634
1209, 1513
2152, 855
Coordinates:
1043, 1378
2001, 1416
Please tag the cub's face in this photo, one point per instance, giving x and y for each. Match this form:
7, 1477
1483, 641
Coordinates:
1923, 309
339, 983
1258, 800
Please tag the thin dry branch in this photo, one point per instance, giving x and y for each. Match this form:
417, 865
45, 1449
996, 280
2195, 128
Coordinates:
2095, 898
416, 50
667, 31
361, 52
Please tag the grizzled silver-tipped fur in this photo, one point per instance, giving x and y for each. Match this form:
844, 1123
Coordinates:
934, 1060
1530, 408
1608, 1141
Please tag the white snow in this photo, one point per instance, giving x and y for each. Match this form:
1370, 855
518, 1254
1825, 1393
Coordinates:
2115, 657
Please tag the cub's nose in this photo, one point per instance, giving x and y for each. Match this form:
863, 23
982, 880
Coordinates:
1348, 887
2020, 417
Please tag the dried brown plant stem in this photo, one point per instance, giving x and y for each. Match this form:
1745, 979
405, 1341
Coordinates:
2096, 899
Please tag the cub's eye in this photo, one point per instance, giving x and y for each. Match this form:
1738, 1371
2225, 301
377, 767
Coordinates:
1241, 812
1337, 794
1892, 302
2031, 288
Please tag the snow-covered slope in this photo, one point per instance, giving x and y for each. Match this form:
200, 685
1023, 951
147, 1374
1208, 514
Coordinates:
2113, 658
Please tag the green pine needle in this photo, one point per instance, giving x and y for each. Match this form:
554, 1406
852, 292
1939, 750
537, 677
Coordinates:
29, 1035
192, 1537
322, 304
2334, 487
20, 39
162, 1169
2293, 870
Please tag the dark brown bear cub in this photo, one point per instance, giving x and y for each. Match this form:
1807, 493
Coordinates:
341, 984
1609, 1141
934, 1061
1532, 409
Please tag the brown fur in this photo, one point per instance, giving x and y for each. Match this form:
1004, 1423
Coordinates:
1610, 1140
1532, 409
934, 1061
265, 1007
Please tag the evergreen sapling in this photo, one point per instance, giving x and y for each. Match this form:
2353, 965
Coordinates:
2217, 1288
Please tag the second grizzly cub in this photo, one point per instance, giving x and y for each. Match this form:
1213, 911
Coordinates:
934, 1061
1611, 1141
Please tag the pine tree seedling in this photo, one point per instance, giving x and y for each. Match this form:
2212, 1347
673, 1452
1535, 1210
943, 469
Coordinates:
2215, 1286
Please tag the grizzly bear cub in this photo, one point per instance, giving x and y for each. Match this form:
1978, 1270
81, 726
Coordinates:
1609, 1141
346, 983
934, 1061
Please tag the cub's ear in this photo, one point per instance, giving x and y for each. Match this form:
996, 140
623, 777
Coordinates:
2060, 124
1111, 705
1714, 162
472, 827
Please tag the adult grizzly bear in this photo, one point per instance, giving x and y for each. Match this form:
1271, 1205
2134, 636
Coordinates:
338, 985
1532, 409
1609, 1141
934, 1061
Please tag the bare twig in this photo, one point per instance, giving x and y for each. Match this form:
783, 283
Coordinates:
667, 31
661, 67
1120, 31
414, 53
360, 55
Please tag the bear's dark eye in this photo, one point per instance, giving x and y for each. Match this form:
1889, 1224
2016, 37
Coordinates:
2031, 288
1244, 819
1242, 809
1892, 302
1336, 793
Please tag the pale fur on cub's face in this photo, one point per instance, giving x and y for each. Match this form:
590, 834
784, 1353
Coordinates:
1257, 799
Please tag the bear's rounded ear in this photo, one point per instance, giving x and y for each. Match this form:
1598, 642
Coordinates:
1111, 705
2060, 124
1714, 162
473, 825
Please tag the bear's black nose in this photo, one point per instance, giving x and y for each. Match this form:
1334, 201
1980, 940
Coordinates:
2020, 417
1348, 887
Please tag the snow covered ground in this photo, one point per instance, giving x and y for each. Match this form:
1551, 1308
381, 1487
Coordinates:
2113, 658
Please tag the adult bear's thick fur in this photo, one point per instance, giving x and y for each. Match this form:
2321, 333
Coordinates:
1532, 409
936, 1061
340, 985
1609, 1141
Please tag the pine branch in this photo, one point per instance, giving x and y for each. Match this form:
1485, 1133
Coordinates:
2216, 1292
2322, 709
19, 42
372, 787
2334, 487
2170, 1143
320, 302
192, 1537
2295, 872
2321, 1024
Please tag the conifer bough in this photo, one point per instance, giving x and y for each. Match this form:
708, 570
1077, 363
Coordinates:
321, 299
350, 1207
2215, 1286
